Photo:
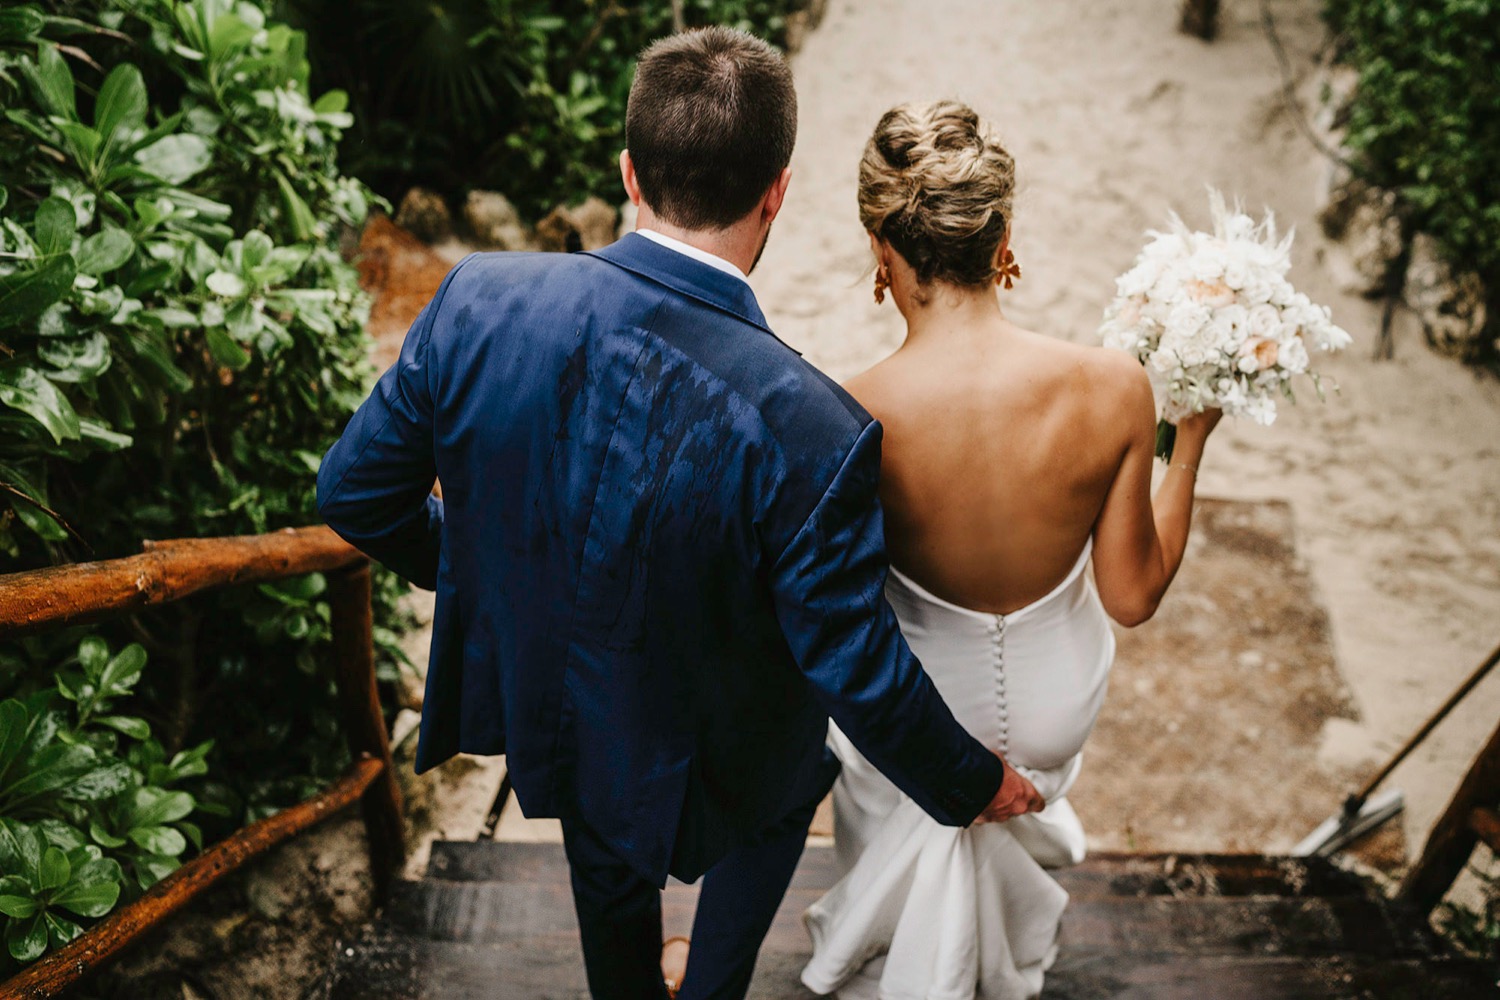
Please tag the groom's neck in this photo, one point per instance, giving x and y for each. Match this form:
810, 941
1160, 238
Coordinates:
739, 244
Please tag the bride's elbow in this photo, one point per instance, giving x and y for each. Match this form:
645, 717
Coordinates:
1131, 610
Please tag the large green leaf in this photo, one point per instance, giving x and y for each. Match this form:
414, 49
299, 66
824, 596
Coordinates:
21, 24
27, 939
225, 349
55, 81
55, 870
161, 840
100, 783
121, 104
122, 672
105, 250
55, 225
155, 806
13, 716
54, 768
94, 889
176, 158
26, 390
25, 294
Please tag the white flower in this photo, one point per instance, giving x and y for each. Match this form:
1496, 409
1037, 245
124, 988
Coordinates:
1214, 320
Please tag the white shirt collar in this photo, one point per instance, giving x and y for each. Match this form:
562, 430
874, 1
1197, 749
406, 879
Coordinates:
702, 256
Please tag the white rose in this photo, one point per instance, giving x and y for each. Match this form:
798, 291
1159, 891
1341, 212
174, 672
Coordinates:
1264, 321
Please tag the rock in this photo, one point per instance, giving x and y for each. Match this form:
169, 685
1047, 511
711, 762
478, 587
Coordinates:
587, 226
494, 222
1451, 306
425, 215
402, 273
1364, 218
269, 893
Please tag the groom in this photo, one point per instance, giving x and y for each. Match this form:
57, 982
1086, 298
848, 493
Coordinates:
658, 554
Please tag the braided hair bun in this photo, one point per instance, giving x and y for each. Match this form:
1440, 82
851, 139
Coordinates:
938, 186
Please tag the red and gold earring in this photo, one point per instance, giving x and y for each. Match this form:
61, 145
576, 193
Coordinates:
1010, 271
881, 284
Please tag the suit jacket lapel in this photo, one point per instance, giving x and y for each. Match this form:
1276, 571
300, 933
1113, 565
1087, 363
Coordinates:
686, 276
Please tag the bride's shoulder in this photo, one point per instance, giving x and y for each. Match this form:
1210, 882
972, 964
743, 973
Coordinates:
1099, 367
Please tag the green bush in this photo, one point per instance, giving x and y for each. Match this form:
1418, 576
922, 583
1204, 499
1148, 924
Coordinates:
180, 340
90, 808
526, 97
1425, 120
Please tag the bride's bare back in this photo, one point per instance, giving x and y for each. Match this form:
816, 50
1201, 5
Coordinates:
1001, 447
1004, 450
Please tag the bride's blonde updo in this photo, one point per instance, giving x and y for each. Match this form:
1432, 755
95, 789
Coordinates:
937, 185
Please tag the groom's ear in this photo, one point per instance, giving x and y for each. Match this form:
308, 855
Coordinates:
775, 195
627, 176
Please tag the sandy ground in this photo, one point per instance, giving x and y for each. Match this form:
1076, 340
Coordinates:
1115, 118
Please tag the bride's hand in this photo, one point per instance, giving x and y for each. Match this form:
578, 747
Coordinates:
1198, 426
1016, 796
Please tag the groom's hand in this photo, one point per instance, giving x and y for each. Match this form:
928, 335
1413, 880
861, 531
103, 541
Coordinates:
1015, 797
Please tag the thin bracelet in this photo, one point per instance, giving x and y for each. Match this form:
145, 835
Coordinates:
1183, 465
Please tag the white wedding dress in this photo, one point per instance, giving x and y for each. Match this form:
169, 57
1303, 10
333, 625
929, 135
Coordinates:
931, 912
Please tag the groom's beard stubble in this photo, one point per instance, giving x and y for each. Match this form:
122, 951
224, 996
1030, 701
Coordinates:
763, 241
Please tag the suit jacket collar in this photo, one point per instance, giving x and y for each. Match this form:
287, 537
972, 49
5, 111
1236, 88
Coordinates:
686, 276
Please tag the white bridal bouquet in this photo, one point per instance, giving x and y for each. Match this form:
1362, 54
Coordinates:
1216, 323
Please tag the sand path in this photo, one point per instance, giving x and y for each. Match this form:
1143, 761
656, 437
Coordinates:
1114, 118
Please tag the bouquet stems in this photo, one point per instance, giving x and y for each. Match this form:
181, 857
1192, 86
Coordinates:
1166, 440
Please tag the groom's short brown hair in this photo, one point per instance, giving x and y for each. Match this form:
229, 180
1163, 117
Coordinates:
711, 123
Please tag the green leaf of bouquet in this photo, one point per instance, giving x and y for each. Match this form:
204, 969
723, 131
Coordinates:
176, 158
121, 102
105, 250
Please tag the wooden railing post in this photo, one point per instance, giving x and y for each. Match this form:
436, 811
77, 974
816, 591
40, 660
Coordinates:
1453, 838
364, 724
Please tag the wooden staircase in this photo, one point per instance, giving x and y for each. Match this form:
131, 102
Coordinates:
495, 921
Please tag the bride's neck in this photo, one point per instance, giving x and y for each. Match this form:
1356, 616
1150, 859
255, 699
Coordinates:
950, 313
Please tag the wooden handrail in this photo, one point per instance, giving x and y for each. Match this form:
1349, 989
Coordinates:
1453, 837
1486, 826
49, 975
170, 571
165, 572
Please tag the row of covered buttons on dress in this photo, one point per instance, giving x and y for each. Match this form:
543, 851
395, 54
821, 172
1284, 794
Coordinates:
997, 641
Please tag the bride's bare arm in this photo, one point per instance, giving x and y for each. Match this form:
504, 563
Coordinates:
1138, 541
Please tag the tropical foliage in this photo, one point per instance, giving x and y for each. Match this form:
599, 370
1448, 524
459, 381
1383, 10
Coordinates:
1425, 120
521, 96
180, 340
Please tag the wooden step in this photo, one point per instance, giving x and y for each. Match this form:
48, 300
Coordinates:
496, 921
1100, 875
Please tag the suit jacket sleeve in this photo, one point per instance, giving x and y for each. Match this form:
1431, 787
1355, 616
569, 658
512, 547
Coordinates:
375, 483
829, 586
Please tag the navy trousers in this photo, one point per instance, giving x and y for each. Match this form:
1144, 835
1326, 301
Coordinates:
619, 913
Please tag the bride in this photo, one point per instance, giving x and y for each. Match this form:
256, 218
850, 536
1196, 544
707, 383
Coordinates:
1010, 460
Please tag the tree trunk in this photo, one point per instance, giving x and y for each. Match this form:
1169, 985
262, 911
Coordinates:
1200, 18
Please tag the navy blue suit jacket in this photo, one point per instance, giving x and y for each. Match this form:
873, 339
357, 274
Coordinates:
659, 557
